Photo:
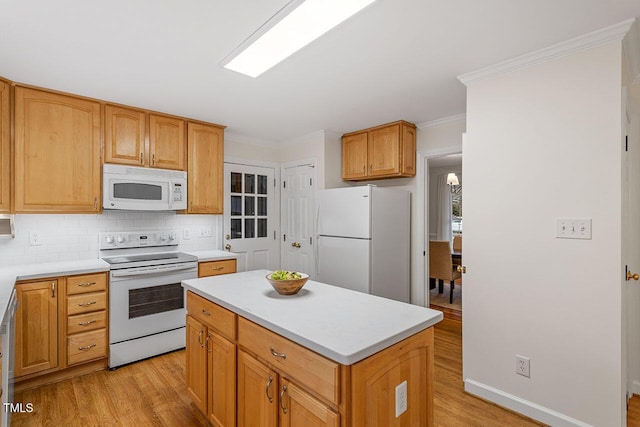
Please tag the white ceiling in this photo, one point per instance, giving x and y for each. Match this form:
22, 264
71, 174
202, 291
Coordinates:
397, 59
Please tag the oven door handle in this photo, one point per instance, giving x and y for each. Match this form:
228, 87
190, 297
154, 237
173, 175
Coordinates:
161, 270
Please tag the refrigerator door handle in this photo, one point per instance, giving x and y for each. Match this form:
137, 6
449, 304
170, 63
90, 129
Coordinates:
315, 247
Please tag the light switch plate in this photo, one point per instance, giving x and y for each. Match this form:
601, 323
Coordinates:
573, 228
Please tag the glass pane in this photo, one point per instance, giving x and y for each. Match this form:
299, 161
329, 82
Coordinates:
249, 205
249, 183
135, 191
236, 205
236, 229
236, 182
262, 206
262, 184
262, 227
249, 228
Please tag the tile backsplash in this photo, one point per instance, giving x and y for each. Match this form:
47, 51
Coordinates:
75, 237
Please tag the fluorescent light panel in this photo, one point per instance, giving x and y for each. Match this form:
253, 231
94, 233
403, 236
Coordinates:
292, 28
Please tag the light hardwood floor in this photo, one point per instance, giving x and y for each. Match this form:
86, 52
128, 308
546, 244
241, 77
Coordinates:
153, 393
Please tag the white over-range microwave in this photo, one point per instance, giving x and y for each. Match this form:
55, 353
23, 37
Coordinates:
143, 189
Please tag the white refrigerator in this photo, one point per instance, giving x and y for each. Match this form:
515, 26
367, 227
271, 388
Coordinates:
363, 240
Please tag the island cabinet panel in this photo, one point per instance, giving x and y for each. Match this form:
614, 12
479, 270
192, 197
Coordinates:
166, 142
410, 360
300, 409
57, 153
5, 144
196, 363
205, 161
125, 136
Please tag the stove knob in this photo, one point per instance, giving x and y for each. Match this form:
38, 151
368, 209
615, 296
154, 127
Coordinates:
120, 239
172, 236
109, 239
163, 237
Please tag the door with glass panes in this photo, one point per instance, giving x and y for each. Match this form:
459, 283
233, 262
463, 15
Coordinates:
250, 216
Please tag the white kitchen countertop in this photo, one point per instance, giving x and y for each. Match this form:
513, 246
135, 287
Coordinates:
212, 255
9, 275
340, 324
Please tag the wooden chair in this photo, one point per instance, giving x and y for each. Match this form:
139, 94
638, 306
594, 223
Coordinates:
441, 265
457, 243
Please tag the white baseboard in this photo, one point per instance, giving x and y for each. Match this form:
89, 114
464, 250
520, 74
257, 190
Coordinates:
635, 388
524, 407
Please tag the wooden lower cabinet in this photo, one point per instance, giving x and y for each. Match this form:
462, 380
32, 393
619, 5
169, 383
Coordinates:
36, 345
61, 328
216, 268
265, 389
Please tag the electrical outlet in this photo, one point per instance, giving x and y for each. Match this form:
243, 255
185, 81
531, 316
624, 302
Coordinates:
206, 232
34, 238
186, 234
523, 365
401, 398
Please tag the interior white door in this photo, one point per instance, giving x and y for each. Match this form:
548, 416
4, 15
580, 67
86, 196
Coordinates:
298, 201
251, 216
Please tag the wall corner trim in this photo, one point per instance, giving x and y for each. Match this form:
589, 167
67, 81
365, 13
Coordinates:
631, 51
524, 407
587, 41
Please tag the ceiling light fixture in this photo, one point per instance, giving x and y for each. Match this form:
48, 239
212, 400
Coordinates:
293, 27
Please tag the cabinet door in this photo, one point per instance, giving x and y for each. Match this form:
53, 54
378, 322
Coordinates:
196, 363
5, 122
257, 393
205, 163
124, 136
354, 156
166, 142
297, 408
57, 153
36, 345
384, 151
408, 150
221, 365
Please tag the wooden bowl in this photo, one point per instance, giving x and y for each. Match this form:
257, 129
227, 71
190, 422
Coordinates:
288, 287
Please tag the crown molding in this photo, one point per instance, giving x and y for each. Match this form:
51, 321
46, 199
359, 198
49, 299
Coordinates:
587, 41
631, 51
442, 121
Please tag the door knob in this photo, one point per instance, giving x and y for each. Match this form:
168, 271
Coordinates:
296, 245
633, 276
462, 269
227, 247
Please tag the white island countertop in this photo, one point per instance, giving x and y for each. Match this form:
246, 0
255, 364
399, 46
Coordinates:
342, 325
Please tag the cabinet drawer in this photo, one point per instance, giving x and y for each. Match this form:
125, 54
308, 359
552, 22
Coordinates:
86, 283
85, 303
86, 346
212, 315
311, 370
215, 268
86, 322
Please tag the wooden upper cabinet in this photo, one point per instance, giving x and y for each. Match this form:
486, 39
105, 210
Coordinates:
354, 156
124, 141
57, 153
5, 135
205, 160
385, 151
166, 142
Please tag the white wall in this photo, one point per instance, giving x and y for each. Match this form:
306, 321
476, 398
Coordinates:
554, 129
73, 237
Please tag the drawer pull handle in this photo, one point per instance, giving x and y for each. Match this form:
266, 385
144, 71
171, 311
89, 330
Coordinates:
217, 268
87, 323
87, 347
284, 390
87, 284
86, 304
268, 387
205, 312
276, 354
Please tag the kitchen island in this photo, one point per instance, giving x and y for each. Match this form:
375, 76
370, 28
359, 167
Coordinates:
325, 356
